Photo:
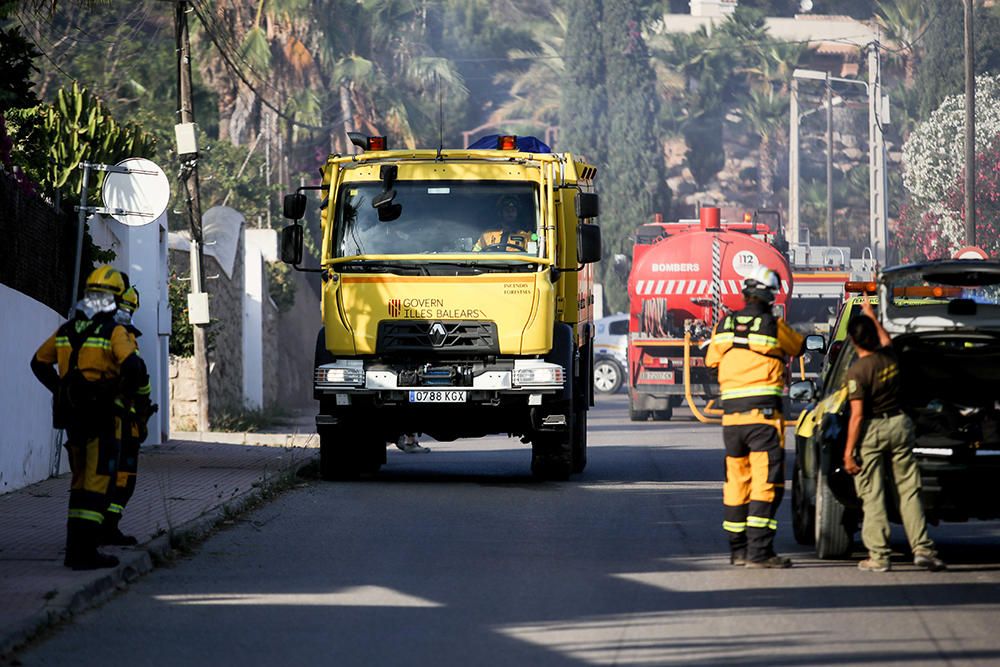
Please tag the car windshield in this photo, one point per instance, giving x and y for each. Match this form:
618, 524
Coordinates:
439, 217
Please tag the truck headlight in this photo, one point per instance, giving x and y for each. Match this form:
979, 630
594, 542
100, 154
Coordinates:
341, 374
540, 374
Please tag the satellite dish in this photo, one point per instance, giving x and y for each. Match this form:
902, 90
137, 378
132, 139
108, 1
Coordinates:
136, 192
806, 6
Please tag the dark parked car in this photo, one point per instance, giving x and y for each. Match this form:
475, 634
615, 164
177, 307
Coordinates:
944, 317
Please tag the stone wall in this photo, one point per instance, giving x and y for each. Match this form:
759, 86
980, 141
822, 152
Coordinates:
225, 347
271, 351
297, 329
183, 397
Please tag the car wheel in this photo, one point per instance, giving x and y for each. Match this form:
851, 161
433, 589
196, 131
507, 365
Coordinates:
833, 538
608, 376
803, 511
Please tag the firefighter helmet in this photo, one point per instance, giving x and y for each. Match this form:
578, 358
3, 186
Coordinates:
106, 278
761, 283
129, 300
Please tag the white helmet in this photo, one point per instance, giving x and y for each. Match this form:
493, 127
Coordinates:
761, 283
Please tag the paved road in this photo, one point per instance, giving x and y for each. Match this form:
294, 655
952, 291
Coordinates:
457, 558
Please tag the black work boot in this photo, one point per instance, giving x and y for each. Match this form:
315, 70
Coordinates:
81, 547
738, 557
111, 535
771, 562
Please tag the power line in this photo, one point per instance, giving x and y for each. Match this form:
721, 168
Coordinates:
242, 77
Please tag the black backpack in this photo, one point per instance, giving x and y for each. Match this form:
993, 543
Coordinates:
82, 403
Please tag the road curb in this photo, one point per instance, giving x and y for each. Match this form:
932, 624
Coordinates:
249, 438
104, 584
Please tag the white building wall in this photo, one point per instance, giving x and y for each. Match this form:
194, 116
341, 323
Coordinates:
29, 447
142, 253
260, 245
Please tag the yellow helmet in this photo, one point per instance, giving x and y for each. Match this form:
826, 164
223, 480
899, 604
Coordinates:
106, 278
129, 300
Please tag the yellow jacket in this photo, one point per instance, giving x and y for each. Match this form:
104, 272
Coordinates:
750, 348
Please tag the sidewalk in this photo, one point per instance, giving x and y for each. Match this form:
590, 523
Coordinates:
185, 488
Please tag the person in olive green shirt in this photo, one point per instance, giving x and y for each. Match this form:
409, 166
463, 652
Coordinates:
885, 433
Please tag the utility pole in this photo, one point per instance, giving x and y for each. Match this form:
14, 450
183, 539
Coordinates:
187, 150
970, 126
878, 179
792, 234
829, 161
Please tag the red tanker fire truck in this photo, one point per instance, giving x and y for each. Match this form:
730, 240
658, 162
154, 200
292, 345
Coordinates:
685, 276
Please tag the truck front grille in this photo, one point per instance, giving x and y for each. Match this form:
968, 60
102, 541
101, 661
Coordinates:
437, 337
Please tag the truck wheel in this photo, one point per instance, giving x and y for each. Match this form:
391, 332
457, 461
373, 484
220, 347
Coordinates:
833, 538
608, 376
345, 454
580, 441
637, 415
552, 452
663, 415
803, 511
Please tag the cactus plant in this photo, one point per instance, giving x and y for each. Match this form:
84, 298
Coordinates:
77, 127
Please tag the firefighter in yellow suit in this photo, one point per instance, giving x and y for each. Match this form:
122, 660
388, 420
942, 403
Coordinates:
509, 235
131, 414
96, 361
750, 348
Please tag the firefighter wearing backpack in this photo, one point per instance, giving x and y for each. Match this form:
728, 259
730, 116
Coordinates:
131, 414
750, 348
96, 361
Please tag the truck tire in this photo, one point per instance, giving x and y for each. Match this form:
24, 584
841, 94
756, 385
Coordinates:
346, 454
663, 415
833, 538
803, 508
579, 441
608, 376
636, 415
552, 451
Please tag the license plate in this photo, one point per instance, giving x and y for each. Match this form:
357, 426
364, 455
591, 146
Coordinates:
437, 396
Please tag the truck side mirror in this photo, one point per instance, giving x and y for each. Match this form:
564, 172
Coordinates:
587, 205
815, 343
291, 243
588, 244
294, 206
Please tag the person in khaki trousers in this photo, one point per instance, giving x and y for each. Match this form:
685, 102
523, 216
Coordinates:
886, 435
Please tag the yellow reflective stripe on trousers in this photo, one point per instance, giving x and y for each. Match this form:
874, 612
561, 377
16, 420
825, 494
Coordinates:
734, 526
762, 522
86, 515
752, 391
115, 508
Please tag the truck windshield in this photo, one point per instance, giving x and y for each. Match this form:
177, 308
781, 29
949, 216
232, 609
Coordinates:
440, 217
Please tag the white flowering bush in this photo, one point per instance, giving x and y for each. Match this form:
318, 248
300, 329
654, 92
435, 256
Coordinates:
934, 154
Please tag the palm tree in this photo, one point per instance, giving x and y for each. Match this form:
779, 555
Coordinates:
764, 114
904, 22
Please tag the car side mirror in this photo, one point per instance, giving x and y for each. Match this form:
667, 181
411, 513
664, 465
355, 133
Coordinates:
291, 244
803, 391
587, 205
294, 206
588, 243
815, 343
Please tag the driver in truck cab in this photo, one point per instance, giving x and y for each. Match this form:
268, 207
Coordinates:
509, 235
750, 348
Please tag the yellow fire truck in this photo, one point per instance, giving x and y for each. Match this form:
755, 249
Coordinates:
457, 299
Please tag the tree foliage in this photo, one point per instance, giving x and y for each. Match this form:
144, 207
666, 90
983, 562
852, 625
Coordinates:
583, 112
634, 184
